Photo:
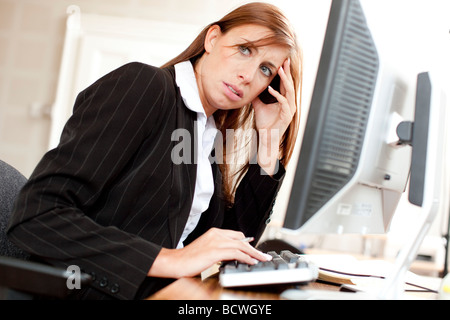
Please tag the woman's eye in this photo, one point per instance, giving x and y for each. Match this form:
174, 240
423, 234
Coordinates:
245, 50
266, 71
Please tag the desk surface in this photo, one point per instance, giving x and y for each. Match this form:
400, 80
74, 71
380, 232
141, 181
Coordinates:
210, 289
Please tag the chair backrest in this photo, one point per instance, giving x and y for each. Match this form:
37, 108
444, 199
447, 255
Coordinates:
11, 182
21, 279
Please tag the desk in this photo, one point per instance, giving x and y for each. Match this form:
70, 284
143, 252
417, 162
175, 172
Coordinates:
210, 289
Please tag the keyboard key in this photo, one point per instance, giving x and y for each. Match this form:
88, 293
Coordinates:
289, 256
301, 263
263, 266
243, 267
273, 254
280, 263
229, 267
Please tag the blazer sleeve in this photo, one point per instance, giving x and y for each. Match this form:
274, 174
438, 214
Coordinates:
254, 201
109, 122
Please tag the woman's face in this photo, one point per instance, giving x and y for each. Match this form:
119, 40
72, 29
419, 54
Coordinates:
230, 76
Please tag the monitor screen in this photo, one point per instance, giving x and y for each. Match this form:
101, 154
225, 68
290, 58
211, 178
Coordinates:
352, 168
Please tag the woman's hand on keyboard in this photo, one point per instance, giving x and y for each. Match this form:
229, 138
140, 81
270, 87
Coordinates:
214, 246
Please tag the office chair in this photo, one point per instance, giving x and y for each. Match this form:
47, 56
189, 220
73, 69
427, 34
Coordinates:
21, 278
11, 181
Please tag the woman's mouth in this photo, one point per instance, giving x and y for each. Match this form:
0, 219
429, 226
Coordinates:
233, 92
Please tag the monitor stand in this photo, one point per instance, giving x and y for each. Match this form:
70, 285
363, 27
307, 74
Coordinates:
429, 176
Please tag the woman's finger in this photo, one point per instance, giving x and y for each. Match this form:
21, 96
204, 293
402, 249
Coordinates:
287, 87
229, 239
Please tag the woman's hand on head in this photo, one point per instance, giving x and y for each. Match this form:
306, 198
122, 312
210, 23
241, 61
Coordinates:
214, 246
276, 117
272, 120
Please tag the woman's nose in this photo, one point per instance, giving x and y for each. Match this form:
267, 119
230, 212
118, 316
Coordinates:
247, 73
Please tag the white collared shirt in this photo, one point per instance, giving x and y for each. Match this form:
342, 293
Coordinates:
206, 128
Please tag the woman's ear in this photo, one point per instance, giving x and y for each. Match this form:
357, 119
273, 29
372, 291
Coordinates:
212, 35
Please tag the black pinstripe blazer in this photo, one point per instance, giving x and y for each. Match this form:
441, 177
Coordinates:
109, 196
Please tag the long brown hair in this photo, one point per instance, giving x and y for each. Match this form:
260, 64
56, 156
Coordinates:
267, 15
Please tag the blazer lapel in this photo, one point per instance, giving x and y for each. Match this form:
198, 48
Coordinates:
183, 174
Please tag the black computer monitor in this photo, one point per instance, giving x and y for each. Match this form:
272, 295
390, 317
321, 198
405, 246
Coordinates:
355, 157
370, 131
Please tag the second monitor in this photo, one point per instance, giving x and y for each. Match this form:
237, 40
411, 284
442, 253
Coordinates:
352, 169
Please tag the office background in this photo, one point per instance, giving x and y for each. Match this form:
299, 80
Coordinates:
32, 37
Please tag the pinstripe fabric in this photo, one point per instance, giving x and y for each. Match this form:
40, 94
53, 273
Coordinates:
109, 197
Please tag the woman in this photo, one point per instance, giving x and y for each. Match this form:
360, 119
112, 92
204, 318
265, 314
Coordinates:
135, 204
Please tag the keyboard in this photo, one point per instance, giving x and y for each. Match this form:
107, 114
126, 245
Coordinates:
286, 267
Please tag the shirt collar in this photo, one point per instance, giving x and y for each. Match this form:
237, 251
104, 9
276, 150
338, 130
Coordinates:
186, 81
